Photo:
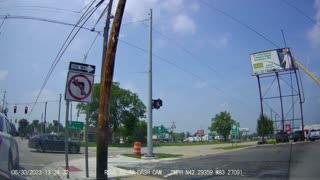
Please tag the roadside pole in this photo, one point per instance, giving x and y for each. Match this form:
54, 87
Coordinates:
105, 94
59, 113
149, 103
86, 139
66, 139
45, 116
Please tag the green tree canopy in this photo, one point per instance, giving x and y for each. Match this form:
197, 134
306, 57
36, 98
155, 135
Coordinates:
23, 126
126, 108
264, 125
221, 124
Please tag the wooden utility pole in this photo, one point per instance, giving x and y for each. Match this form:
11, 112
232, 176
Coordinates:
105, 94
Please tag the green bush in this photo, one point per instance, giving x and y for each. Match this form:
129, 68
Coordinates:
271, 141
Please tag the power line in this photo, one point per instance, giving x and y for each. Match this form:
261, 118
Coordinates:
86, 54
163, 59
64, 47
178, 45
137, 21
42, 7
45, 20
28, 103
4, 19
185, 50
178, 67
238, 21
301, 12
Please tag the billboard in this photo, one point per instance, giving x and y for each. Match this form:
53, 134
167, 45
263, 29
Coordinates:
271, 61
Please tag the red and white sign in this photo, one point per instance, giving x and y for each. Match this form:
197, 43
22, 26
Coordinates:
79, 87
200, 132
287, 128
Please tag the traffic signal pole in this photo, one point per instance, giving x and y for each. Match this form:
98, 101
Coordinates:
105, 94
149, 103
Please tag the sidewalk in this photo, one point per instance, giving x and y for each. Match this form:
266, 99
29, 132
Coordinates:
77, 166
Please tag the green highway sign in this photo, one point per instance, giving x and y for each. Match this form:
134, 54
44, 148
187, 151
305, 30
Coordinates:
75, 125
159, 130
234, 129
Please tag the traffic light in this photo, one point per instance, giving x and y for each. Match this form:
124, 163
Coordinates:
156, 104
26, 110
15, 109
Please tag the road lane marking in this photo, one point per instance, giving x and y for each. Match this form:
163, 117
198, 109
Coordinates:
25, 164
168, 175
226, 164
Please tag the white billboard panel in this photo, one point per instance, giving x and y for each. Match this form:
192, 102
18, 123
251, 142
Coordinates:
271, 61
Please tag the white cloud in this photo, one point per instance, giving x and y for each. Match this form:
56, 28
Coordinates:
172, 5
3, 74
314, 33
130, 86
195, 7
183, 24
221, 42
200, 84
46, 95
224, 106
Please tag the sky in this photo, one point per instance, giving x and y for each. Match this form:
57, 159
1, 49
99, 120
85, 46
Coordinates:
204, 48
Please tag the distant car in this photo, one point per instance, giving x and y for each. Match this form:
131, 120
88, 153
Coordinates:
52, 142
9, 151
282, 137
314, 134
296, 136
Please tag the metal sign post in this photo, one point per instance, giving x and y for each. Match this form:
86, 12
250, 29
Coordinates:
79, 87
66, 139
86, 140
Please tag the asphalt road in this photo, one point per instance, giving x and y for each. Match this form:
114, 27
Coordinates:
33, 160
283, 161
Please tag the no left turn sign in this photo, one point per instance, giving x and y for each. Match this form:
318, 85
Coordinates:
79, 87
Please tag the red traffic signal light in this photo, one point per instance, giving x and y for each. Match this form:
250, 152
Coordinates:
15, 109
26, 110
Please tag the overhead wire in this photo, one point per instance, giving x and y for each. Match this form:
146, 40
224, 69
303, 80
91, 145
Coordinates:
45, 20
177, 66
238, 21
64, 47
301, 12
86, 54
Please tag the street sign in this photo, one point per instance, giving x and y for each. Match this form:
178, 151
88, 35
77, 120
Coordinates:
79, 87
159, 130
200, 132
75, 125
79, 67
234, 129
287, 127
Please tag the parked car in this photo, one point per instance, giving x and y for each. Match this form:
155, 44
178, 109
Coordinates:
296, 136
52, 142
282, 137
314, 134
9, 151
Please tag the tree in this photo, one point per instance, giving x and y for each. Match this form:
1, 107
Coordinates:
126, 109
264, 125
221, 123
23, 127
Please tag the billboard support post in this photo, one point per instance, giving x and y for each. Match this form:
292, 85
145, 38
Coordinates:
261, 106
281, 100
273, 64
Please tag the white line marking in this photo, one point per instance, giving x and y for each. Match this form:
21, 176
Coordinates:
168, 175
226, 164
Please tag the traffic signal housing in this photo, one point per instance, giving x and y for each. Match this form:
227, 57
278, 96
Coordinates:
26, 110
14, 109
156, 104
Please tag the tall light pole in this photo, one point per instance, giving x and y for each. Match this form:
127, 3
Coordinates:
59, 112
149, 103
